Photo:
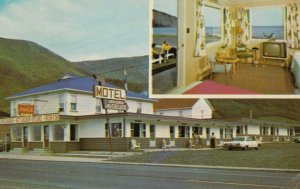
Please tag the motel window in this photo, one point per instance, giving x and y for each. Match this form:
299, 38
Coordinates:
152, 132
264, 130
207, 133
115, 129
239, 130
73, 103
172, 133
183, 132
98, 105
17, 134
290, 132
139, 108
61, 103
197, 131
36, 133
273, 131
58, 132
267, 20
228, 133
221, 133
213, 18
138, 130
14, 109
180, 113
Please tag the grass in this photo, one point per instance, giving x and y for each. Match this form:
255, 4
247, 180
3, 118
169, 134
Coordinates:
275, 155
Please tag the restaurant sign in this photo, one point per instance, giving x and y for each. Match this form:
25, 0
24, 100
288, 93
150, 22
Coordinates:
25, 109
116, 105
30, 119
110, 93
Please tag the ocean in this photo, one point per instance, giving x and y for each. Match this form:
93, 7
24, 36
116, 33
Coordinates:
257, 31
165, 31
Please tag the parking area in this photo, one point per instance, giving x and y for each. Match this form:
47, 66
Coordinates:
269, 155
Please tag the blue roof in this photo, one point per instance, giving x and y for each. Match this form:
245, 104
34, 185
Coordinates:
85, 84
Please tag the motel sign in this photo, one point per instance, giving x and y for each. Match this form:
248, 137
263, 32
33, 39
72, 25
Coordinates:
110, 93
114, 99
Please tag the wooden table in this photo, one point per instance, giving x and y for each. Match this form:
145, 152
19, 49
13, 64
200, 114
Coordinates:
228, 60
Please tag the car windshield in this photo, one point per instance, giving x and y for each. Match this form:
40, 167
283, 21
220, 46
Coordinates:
239, 139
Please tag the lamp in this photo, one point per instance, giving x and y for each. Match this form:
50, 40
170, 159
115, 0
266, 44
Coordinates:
239, 31
232, 23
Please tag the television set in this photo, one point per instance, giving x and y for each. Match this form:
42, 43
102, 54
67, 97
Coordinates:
275, 49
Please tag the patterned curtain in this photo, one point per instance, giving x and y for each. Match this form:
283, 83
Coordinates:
200, 29
227, 26
243, 30
293, 25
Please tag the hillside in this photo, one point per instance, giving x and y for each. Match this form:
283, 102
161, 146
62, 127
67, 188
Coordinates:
113, 69
161, 19
271, 109
25, 64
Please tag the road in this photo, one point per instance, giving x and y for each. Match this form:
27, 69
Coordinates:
61, 175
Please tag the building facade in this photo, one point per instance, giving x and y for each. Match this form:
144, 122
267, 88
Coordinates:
65, 116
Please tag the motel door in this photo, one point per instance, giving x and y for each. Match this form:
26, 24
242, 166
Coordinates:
46, 136
152, 136
25, 137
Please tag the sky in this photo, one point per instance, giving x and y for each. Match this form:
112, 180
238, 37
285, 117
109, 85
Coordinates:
167, 6
80, 29
267, 16
212, 17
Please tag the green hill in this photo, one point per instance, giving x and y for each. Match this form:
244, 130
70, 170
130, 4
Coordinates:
113, 69
25, 64
285, 110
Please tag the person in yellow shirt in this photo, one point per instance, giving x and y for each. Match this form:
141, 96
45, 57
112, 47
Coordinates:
169, 49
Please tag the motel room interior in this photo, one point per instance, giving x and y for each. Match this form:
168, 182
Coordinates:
227, 47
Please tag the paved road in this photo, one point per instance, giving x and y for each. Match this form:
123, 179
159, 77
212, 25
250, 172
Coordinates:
61, 175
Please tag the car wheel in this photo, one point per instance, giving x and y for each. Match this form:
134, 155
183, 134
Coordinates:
256, 148
246, 148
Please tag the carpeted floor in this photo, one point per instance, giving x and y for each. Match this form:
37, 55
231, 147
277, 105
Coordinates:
263, 79
211, 87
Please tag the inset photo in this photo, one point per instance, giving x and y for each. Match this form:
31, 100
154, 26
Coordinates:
225, 48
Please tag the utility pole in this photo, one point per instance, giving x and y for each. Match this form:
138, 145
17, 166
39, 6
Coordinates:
101, 82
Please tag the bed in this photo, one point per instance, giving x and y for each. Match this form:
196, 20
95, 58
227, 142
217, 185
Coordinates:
295, 68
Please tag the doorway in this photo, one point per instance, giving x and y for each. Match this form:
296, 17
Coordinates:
164, 46
73, 132
152, 136
46, 136
25, 137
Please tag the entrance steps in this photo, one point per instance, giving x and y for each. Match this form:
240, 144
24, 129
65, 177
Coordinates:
41, 151
35, 151
19, 151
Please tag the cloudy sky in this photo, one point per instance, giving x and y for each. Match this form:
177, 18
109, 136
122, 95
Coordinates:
79, 29
167, 6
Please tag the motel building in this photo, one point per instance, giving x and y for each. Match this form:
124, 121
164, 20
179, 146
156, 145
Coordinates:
68, 115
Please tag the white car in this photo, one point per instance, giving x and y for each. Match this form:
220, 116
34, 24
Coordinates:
242, 142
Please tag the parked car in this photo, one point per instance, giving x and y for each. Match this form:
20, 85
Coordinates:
242, 142
296, 139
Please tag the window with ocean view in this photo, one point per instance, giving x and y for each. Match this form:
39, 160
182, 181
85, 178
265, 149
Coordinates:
212, 24
267, 23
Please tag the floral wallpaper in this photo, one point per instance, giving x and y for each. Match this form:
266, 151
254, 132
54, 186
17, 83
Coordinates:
200, 29
293, 25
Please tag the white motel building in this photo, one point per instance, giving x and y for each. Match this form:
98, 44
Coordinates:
65, 116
